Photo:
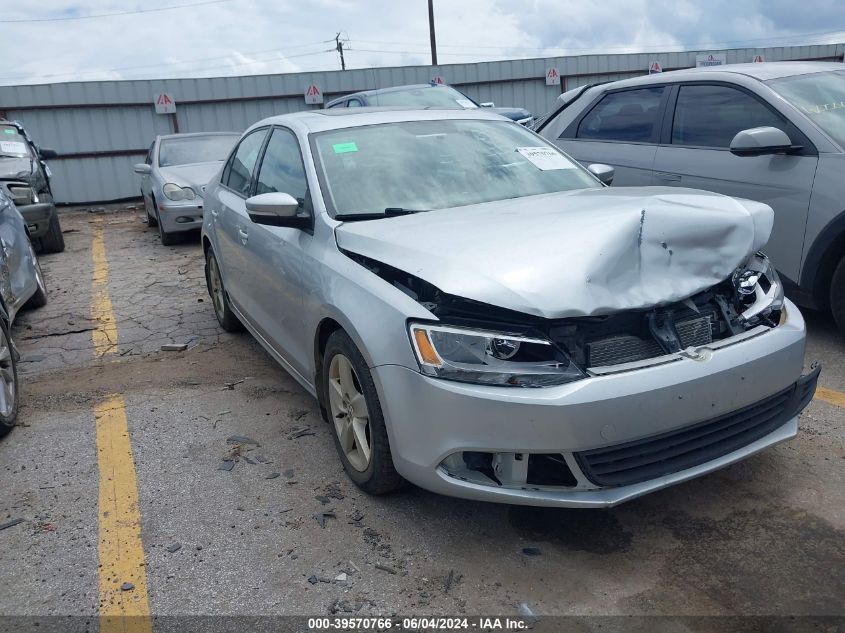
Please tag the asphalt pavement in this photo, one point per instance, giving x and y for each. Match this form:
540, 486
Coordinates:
207, 481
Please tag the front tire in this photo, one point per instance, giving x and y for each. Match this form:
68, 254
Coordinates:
837, 295
167, 238
152, 219
360, 435
219, 298
8, 381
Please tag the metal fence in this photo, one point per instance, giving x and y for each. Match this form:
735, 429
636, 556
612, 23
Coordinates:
102, 128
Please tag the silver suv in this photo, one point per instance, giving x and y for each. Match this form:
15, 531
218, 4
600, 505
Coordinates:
771, 132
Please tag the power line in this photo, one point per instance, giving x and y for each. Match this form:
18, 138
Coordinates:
794, 36
188, 61
109, 15
200, 69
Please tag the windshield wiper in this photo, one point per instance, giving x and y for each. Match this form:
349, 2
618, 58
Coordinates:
389, 212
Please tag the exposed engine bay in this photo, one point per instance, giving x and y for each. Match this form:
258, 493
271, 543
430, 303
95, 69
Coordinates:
752, 297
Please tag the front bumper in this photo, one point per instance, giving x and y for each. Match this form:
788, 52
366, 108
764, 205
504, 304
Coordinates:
37, 217
176, 217
430, 420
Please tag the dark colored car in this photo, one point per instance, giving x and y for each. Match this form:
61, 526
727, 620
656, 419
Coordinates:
26, 178
21, 286
425, 96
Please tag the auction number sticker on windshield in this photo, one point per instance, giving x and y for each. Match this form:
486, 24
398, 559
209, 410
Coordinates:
9, 130
12, 147
466, 103
343, 148
545, 158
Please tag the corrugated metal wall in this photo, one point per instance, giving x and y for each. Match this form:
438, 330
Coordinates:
100, 129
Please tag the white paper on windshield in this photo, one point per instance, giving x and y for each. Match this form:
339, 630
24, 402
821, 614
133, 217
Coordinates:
13, 147
466, 103
545, 158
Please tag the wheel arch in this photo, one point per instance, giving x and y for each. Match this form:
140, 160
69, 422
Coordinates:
822, 258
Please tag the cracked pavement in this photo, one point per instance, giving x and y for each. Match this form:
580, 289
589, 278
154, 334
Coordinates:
763, 537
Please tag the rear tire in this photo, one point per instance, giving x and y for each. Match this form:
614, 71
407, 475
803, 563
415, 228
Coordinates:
837, 295
39, 299
370, 469
53, 241
219, 298
8, 381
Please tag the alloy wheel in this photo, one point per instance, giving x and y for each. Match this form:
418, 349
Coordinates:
350, 415
216, 288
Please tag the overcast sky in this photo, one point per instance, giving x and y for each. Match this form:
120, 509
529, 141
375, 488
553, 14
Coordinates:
237, 37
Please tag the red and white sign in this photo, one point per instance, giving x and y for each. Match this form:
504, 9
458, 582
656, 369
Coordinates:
655, 67
313, 95
165, 104
437, 80
710, 59
552, 76
759, 59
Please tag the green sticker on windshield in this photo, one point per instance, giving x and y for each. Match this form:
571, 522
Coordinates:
343, 148
10, 131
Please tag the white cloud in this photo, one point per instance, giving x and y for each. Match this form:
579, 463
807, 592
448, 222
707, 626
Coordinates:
268, 36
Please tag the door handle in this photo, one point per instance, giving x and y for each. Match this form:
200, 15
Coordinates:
243, 235
667, 176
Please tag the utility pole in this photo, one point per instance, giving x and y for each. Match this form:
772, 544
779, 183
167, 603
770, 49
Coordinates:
340, 50
431, 32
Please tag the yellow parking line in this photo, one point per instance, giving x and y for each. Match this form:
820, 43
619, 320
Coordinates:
105, 336
830, 396
124, 607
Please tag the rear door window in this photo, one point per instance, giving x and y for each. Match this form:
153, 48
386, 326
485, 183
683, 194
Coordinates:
710, 116
628, 116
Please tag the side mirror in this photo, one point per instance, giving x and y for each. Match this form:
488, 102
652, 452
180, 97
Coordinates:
603, 172
142, 168
487, 104
275, 209
759, 141
45, 153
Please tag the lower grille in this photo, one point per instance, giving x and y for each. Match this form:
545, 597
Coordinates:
626, 348
672, 452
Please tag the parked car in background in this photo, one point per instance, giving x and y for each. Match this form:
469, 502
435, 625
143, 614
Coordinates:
173, 179
21, 285
24, 175
423, 96
772, 132
478, 314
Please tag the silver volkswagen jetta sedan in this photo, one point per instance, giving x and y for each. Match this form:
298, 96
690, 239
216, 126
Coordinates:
479, 315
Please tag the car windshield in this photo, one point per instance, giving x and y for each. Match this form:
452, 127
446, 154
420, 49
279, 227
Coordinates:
424, 97
425, 165
195, 149
12, 142
821, 96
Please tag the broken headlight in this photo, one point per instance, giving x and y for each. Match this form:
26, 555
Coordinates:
759, 290
176, 193
490, 358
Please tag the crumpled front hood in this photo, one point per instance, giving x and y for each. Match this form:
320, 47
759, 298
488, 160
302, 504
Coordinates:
13, 168
195, 175
581, 253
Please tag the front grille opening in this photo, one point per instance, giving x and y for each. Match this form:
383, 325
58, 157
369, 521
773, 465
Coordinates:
510, 470
549, 470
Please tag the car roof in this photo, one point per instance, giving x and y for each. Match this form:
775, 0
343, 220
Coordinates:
760, 71
381, 91
323, 120
190, 134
